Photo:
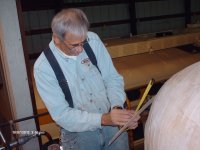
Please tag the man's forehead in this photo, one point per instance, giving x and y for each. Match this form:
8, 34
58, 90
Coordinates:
74, 37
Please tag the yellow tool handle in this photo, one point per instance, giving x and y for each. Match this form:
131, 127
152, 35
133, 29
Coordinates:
151, 82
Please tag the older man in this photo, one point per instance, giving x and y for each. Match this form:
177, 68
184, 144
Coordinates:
97, 94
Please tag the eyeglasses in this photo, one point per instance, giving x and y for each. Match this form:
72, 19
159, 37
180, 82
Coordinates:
74, 46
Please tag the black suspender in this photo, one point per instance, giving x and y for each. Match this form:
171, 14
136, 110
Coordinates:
59, 73
91, 55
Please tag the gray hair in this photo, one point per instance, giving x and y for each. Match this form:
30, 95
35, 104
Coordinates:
70, 21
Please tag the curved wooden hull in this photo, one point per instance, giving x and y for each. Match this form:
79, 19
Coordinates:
174, 119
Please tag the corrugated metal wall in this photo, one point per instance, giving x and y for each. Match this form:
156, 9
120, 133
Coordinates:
109, 13
195, 6
37, 20
42, 19
159, 8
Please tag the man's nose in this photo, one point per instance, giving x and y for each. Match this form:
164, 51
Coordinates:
79, 48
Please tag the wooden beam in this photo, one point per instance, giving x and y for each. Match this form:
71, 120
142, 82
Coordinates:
38, 31
137, 70
147, 0
160, 17
109, 23
195, 13
34, 56
133, 21
46, 119
187, 12
27, 63
33, 5
95, 3
137, 45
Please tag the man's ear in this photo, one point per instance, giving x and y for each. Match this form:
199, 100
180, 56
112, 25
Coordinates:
56, 39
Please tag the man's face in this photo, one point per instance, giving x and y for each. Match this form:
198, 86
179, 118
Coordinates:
72, 45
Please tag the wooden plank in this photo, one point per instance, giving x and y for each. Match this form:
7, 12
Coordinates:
137, 45
44, 119
137, 70
50, 4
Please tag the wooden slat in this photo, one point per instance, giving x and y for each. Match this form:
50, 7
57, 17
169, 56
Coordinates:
44, 119
137, 45
34, 5
137, 70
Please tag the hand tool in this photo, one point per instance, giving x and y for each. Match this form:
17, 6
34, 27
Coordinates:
137, 111
128, 123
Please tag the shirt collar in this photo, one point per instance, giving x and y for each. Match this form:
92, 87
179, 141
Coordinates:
53, 46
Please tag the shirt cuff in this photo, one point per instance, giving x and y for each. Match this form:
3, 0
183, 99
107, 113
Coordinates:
96, 121
117, 107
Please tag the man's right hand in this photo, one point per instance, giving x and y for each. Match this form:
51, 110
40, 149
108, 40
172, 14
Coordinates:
119, 117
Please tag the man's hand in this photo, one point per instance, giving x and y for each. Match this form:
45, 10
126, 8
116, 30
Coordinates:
134, 122
119, 117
